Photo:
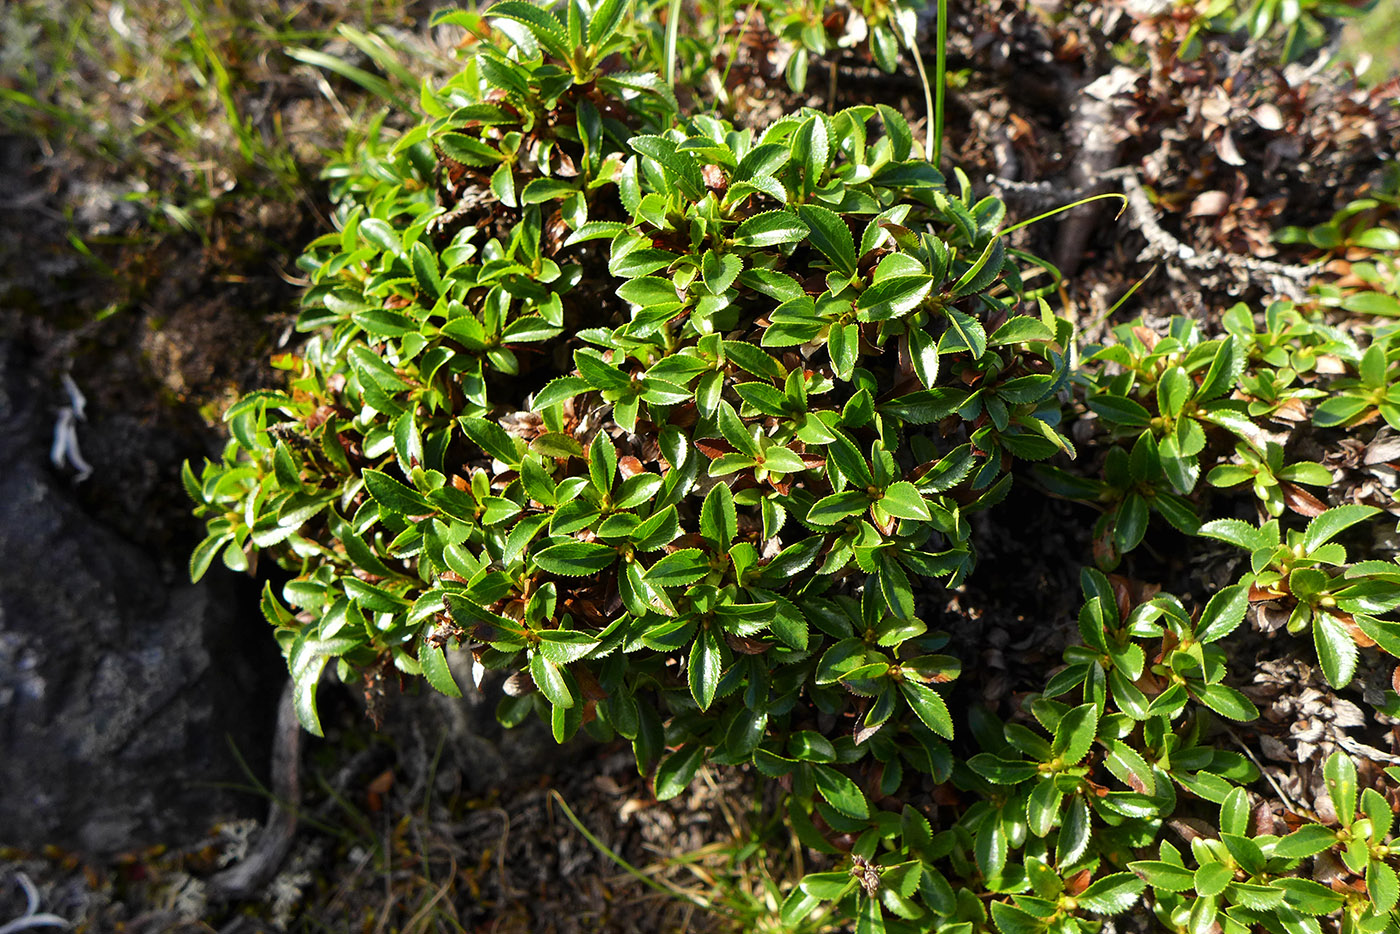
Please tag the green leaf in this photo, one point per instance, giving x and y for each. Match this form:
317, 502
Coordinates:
720, 270
831, 236
426, 270
783, 460
894, 297
990, 847
1075, 734
840, 791
1043, 807
1307, 473
719, 521
1328, 525
827, 886
1003, 771
1223, 613
543, 25
679, 569
1131, 523
436, 670
607, 16
1224, 369
1307, 840
704, 667
848, 462
734, 431
649, 291
1336, 650
832, 509
1012, 920
894, 585
1374, 806
380, 234
923, 354
575, 559
1075, 832
460, 147
204, 554
493, 439
1166, 876
676, 771
1111, 895
1225, 701
1127, 764
1339, 773
1378, 238
602, 462
1234, 813
770, 228
1258, 897
1309, 897
393, 496
903, 501
926, 406
1373, 303
1338, 409
551, 681
558, 390
1020, 329
540, 190
1211, 878
1238, 533
305, 679
897, 129
1382, 885
929, 707
1120, 410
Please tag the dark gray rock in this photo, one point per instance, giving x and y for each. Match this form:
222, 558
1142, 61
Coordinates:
121, 684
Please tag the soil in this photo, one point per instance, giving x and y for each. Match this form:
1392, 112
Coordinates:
1050, 106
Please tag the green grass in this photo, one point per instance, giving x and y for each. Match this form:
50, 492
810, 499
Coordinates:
203, 108
1376, 35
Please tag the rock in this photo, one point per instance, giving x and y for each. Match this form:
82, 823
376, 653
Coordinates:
121, 684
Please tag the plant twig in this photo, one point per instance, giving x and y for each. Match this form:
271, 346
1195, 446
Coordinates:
1288, 280
250, 874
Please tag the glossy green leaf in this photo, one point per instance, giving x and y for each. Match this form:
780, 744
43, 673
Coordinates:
575, 559
929, 707
1111, 895
770, 228
677, 770
831, 236
840, 791
1075, 734
1339, 774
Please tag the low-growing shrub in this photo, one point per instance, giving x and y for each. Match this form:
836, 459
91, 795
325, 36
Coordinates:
678, 423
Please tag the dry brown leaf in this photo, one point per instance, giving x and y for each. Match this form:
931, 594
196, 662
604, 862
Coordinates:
1209, 204
1300, 500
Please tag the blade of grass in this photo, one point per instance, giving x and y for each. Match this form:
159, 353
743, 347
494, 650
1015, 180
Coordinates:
627, 867
940, 73
223, 85
933, 100
673, 22
371, 83
733, 54
1064, 208
380, 53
